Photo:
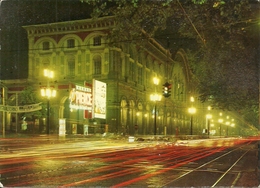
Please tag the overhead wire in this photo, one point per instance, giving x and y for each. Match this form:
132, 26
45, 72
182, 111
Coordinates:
194, 27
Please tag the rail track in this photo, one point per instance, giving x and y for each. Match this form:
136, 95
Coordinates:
197, 163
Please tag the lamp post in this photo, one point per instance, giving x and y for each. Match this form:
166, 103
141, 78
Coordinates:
48, 93
220, 122
192, 111
3, 102
155, 98
232, 123
208, 117
227, 124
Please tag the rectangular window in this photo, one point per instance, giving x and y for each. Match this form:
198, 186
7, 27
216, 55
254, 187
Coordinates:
45, 46
71, 68
97, 65
79, 64
70, 43
97, 41
62, 65
140, 76
131, 71
87, 63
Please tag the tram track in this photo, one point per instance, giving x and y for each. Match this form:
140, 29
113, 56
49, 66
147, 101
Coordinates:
124, 166
222, 174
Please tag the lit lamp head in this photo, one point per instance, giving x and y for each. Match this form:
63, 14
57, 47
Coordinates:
48, 92
155, 97
155, 81
192, 110
48, 73
232, 123
220, 120
208, 116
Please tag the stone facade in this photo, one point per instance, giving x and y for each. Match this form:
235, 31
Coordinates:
80, 51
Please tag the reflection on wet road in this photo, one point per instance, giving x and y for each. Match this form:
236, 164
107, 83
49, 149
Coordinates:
116, 163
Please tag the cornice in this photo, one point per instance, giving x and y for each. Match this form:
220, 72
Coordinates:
68, 27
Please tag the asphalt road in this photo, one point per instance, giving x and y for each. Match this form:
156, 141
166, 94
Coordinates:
48, 161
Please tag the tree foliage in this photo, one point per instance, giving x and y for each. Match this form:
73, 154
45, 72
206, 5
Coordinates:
220, 36
26, 97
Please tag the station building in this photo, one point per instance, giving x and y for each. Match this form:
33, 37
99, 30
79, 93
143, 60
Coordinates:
80, 51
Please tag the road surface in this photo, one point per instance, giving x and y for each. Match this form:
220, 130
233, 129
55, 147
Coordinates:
45, 162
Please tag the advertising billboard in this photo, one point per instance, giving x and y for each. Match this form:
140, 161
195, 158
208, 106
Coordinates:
99, 99
81, 98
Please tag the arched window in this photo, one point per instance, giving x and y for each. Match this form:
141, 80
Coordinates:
97, 64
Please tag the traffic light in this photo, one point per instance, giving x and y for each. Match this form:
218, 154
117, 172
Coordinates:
167, 89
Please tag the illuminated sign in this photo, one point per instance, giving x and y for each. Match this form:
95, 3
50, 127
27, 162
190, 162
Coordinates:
81, 98
99, 99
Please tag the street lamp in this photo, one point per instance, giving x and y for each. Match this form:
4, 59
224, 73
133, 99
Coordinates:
220, 120
3, 103
192, 111
155, 97
208, 117
48, 92
227, 124
232, 123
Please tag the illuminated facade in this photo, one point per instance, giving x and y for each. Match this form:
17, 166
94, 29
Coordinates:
79, 51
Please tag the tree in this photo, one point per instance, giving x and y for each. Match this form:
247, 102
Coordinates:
27, 97
221, 38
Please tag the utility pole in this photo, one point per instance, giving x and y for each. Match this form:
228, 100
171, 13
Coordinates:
3, 96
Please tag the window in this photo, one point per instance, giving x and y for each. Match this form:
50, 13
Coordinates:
131, 71
97, 41
140, 75
70, 43
71, 68
79, 64
97, 65
46, 63
45, 45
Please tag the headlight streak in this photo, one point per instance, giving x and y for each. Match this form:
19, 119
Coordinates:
132, 160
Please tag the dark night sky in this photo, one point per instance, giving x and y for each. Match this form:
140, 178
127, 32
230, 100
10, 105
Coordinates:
13, 39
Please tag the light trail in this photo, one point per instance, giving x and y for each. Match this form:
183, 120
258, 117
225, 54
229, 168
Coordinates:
109, 163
